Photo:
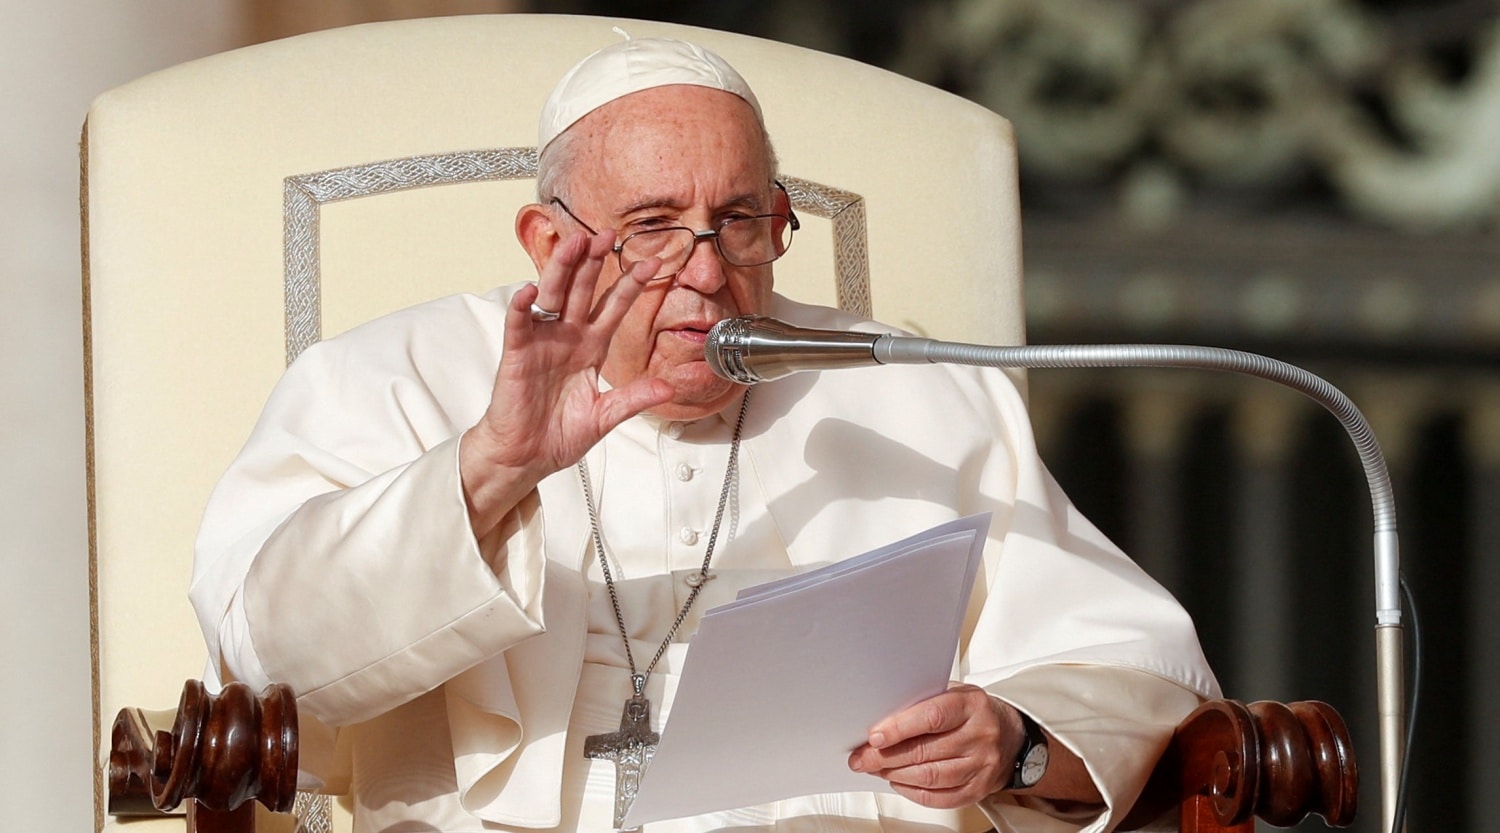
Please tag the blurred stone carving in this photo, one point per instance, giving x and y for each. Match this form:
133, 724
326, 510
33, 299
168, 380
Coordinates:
1240, 95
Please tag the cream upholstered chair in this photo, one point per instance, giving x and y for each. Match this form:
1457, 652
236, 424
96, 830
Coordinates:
240, 207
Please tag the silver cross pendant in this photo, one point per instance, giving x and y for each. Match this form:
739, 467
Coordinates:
630, 749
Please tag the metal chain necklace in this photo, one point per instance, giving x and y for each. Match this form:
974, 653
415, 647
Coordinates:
632, 747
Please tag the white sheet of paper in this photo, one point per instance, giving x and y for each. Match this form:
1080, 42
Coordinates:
784, 682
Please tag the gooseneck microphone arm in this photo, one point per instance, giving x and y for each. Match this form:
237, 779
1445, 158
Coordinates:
755, 349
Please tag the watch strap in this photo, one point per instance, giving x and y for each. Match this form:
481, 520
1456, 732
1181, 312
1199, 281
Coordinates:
1032, 737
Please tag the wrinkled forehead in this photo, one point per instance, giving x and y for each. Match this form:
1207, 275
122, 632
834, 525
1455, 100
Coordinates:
672, 138
674, 114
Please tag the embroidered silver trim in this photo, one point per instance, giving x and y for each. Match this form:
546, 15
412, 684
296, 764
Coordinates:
851, 254
314, 813
304, 195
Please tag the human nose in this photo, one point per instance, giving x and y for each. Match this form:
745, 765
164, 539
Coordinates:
704, 269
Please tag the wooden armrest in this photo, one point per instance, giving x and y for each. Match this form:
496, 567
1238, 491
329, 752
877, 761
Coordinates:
1229, 763
223, 751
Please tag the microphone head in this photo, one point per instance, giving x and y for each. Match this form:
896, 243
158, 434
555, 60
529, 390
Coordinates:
756, 348
725, 349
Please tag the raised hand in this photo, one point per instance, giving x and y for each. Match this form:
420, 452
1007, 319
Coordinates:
546, 409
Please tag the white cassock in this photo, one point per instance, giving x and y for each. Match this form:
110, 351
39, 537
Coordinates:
335, 556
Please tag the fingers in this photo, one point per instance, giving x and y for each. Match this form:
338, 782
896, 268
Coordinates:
943, 752
567, 284
574, 257
931, 756
942, 787
617, 299
941, 713
939, 775
566, 287
585, 275
621, 404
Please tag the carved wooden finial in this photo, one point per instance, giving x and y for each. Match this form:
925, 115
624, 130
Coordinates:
223, 750
1229, 763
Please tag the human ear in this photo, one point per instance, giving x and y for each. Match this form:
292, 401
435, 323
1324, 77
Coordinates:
781, 202
537, 233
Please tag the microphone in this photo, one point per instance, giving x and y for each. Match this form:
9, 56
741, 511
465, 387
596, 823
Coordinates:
753, 348
756, 348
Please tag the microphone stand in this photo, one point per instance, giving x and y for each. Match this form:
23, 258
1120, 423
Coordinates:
1390, 693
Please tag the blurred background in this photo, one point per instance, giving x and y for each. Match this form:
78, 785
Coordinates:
1311, 179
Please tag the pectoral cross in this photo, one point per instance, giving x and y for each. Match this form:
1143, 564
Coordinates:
630, 749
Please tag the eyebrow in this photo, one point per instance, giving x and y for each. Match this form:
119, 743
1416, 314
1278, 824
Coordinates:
745, 200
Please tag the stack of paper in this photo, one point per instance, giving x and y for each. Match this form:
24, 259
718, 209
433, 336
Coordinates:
784, 682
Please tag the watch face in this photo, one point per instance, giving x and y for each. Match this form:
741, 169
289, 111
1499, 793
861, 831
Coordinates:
1034, 766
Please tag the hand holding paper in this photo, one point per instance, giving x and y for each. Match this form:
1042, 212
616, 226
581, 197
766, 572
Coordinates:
947, 751
784, 682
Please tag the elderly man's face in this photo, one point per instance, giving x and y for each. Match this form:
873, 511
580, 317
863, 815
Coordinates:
676, 156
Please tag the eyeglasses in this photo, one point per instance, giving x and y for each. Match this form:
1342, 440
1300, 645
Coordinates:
741, 241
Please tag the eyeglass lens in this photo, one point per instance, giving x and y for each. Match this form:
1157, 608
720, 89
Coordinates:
751, 241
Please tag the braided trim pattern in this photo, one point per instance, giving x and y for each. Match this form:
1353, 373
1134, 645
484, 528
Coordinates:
851, 255
303, 196
314, 813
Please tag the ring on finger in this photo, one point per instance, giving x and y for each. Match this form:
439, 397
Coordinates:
539, 314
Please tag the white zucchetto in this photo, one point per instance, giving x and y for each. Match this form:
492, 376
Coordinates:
629, 67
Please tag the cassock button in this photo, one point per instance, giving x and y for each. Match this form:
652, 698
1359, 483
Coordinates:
684, 472
675, 429
688, 535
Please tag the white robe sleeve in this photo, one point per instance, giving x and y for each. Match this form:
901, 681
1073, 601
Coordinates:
1118, 721
336, 555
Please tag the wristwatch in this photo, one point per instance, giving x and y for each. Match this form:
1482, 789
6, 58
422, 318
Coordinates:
1031, 762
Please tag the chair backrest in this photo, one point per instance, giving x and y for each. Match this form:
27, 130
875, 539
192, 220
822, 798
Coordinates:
240, 207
